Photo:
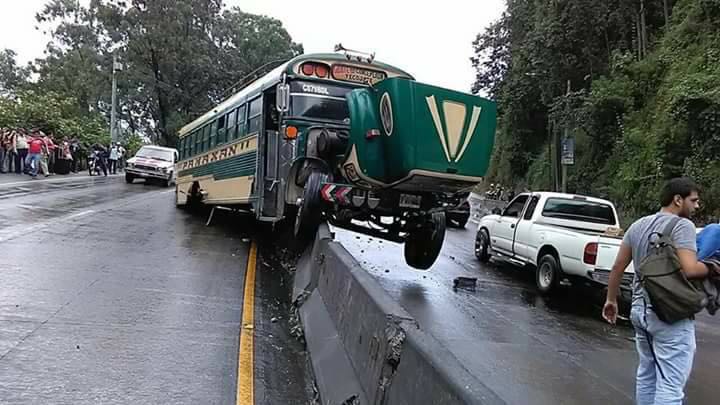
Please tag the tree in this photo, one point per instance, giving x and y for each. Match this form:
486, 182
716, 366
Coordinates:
12, 76
644, 104
179, 56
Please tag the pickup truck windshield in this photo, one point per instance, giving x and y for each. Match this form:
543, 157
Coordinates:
579, 210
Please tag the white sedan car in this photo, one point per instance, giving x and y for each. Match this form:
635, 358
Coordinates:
152, 162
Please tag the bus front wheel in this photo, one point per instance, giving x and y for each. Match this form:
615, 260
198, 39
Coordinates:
309, 213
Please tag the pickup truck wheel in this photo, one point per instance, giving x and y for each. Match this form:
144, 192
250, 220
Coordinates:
482, 246
547, 274
422, 246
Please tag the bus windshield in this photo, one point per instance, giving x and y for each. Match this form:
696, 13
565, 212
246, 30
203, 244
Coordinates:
316, 107
320, 101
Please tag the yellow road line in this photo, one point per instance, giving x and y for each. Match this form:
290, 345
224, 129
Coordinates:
246, 366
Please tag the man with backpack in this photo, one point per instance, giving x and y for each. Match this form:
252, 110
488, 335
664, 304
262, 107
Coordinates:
663, 249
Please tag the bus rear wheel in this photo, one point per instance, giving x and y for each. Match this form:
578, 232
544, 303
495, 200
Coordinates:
309, 213
422, 246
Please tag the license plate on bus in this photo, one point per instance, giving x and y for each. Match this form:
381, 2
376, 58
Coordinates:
410, 201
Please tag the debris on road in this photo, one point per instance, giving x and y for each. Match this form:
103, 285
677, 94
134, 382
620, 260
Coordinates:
468, 283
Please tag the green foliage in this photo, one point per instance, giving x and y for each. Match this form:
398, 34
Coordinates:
637, 120
11, 75
178, 57
132, 144
54, 115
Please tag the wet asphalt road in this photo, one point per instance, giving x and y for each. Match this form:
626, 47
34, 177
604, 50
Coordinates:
111, 295
528, 349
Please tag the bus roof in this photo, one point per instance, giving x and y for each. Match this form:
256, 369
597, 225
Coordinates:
291, 69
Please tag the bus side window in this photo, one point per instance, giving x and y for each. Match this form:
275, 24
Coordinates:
230, 126
183, 142
222, 122
241, 122
254, 113
206, 138
214, 132
231, 118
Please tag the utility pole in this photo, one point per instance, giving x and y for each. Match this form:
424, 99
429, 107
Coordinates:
113, 120
565, 137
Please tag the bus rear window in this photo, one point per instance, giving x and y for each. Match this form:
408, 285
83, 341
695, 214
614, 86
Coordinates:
579, 210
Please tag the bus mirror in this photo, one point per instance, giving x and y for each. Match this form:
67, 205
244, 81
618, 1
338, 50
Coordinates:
283, 97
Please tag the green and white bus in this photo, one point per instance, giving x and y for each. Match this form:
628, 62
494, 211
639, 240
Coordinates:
243, 153
342, 138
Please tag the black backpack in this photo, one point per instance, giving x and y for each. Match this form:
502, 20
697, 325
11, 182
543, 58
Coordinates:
672, 296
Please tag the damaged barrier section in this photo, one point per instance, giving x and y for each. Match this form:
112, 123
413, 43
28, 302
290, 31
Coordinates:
365, 348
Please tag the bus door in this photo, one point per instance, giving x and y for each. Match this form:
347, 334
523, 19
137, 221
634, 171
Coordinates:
271, 207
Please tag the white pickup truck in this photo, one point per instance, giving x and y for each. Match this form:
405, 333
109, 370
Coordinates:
563, 237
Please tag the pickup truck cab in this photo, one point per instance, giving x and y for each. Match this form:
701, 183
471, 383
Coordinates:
563, 237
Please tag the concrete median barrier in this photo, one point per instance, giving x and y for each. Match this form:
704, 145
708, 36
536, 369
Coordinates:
364, 347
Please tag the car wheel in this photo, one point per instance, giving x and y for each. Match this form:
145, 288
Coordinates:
462, 222
422, 246
482, 246
129, 178
547, 274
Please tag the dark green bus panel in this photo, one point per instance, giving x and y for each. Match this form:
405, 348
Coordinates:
407, 134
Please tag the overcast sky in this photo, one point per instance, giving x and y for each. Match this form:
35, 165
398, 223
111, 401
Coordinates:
433, 42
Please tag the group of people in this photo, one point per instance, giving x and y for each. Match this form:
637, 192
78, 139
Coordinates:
500, 193
32, 152
109, 159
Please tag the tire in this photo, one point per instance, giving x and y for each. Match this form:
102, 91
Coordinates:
309, 213
165, 183
462, 222
129, 178
548, 274
482, 246
177, 194
422, 246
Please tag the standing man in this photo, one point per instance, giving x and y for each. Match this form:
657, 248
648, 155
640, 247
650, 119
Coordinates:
10, 151
121, 160
75, 153
666, 351
48, 149
35, 148
21, 149
114, 156
3, 134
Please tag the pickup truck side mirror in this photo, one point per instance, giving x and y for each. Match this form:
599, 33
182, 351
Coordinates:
496, 211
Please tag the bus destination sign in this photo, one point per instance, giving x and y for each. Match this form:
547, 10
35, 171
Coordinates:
356, 74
